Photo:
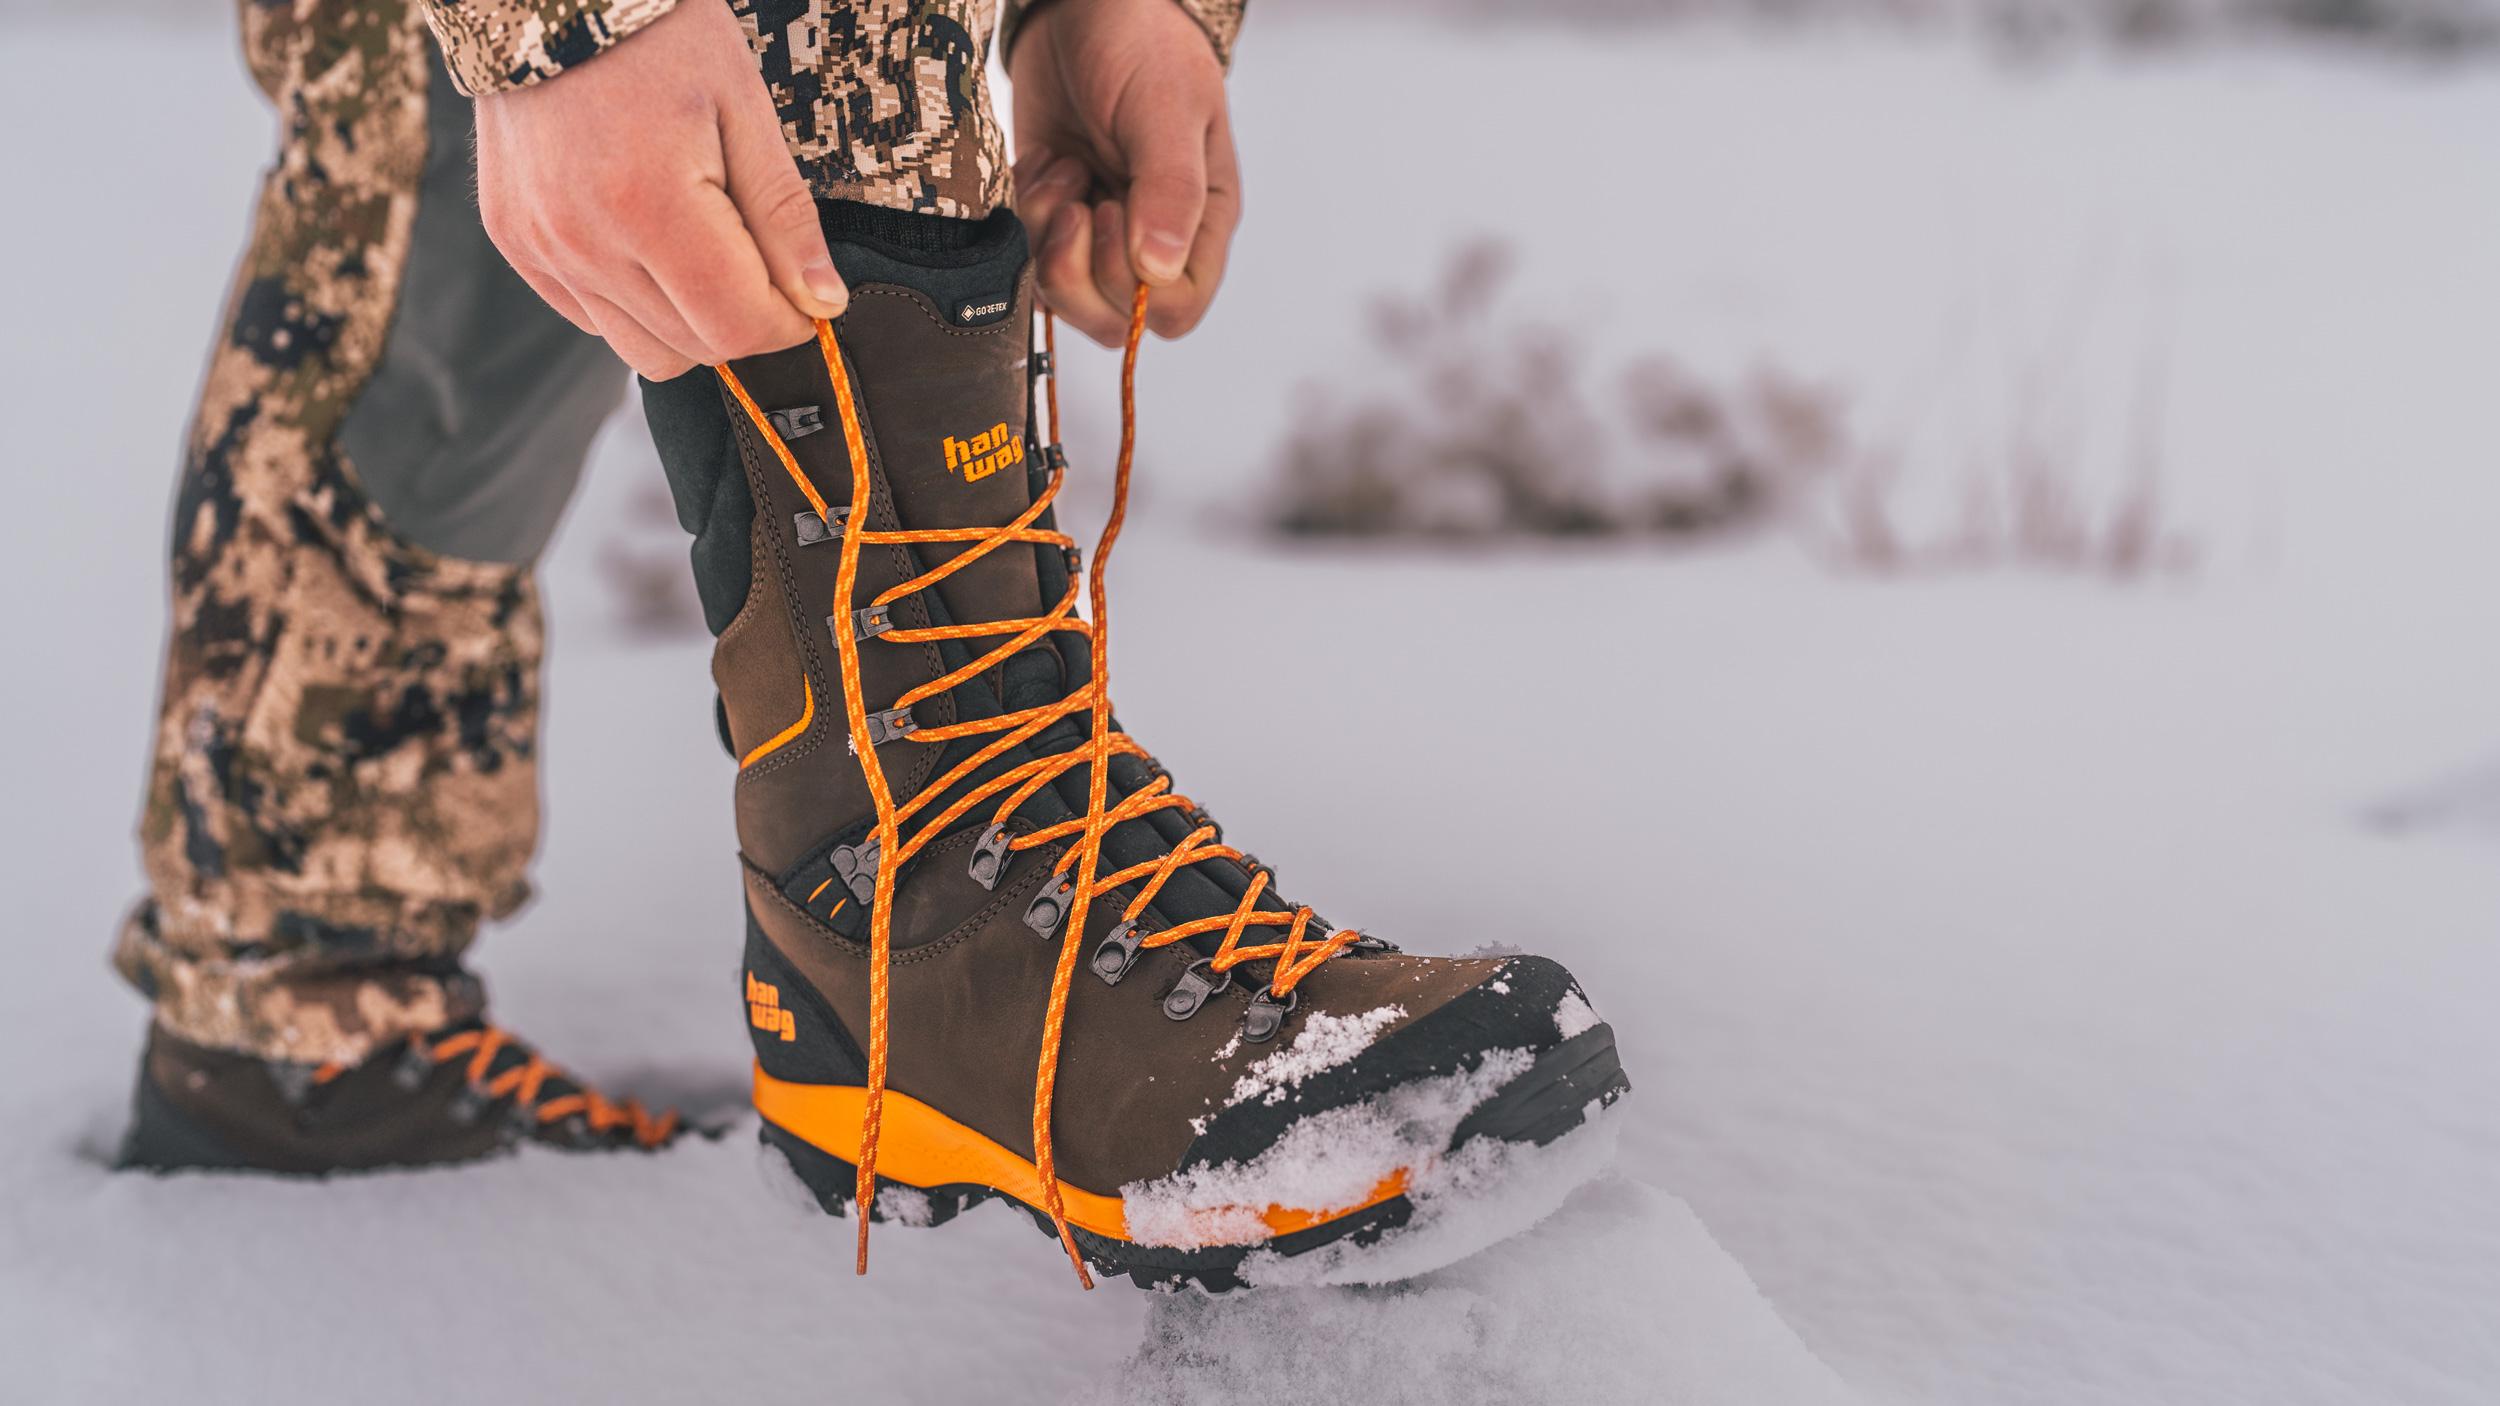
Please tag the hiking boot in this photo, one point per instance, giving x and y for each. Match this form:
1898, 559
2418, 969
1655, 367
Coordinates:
454, 1096
992, 952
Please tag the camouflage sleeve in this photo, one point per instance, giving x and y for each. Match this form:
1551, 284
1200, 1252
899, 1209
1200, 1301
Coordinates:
1221, 19
493, 45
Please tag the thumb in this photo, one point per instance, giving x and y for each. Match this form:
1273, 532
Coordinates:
1167, 191
779, 210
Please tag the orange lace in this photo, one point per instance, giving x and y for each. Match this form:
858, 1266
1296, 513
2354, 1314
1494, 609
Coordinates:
1295, 956
523, 1081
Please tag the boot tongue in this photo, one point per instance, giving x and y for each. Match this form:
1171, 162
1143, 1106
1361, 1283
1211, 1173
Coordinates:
938, 345
937, 337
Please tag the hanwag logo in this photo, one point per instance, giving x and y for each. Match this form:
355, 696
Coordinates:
983, 454
765, 1012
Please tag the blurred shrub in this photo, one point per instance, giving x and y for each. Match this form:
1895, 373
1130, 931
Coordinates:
2031, 26
1490, 429
2030, 511
1481, 428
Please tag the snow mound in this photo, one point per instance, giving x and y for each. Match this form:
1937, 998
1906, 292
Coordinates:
1620, 1297
2468, 801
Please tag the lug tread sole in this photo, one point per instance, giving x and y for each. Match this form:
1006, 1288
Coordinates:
1553, 1096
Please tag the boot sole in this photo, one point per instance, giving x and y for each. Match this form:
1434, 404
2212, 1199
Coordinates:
163, 1139
948, 1168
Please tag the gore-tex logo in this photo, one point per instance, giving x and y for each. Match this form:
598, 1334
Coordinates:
983, 454
975, 311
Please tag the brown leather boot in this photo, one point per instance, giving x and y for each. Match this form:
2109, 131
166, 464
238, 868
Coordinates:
454, 1096
991, 951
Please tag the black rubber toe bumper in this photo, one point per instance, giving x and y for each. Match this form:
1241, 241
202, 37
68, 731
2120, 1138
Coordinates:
1516, 1007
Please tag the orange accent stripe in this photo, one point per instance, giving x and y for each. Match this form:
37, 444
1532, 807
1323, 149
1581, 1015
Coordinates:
820, 888
787, 735
922, 1147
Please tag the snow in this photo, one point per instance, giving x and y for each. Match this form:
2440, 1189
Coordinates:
2041, 991
1331, 1160
1574, 1015
1602, 1303
1325, 1042
904, 1206
1464, 1202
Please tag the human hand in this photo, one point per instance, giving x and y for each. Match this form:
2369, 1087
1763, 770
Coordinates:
649, 197
1125, 97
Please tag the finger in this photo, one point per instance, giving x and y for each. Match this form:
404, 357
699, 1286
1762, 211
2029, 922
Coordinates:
1177, 308
1052, 182
552, 293
1064, 268
709, 276
636, 292
1113, 278
612, 278
1166, 155
651, 358
778, 209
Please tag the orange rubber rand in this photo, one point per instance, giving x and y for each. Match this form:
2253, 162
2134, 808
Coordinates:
924, 1148
1295, 956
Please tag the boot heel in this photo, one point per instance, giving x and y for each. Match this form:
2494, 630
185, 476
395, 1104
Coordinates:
162, 1139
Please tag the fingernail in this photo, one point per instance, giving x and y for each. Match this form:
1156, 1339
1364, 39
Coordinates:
826, 286
1160, 255
1063, 226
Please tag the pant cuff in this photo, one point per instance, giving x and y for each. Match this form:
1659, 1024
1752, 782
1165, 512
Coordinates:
291, 1008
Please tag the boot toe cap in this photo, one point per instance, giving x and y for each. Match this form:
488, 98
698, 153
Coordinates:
1520, 1014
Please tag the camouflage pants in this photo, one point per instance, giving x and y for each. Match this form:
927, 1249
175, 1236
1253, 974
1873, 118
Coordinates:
344, 779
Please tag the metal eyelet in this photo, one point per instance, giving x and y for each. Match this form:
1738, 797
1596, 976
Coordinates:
887, 726
1195, 986
870, 621
415, 1066
1266, 1014
856, 867
1050, 905
1115, 954
467, 1104
814, 530
1054, 458
797, 422
1041, 363
989, 858
294, 1081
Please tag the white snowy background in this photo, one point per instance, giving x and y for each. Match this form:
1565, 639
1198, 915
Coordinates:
2038, 989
